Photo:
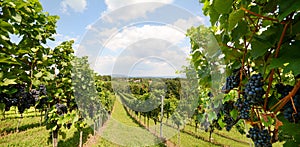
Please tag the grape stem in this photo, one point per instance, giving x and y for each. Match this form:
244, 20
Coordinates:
273, 70
258, 15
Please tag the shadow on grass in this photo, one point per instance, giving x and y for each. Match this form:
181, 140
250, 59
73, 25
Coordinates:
21, 128
74, 140
133, 119
19, 116
158, 142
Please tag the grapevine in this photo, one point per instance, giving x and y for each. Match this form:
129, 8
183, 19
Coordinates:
258, 40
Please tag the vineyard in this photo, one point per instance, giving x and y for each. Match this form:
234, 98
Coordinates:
240, 89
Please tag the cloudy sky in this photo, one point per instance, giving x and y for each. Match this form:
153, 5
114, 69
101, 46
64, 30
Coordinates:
128, 37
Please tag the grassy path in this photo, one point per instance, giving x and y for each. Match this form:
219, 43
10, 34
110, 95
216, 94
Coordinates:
124, 130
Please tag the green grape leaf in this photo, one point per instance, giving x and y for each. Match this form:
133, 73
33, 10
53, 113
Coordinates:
259, 47
290, 130
211, 115
234, 113
221, 123
38, 75
17, 17
288, 58
63, 134
287, 7
271, 6
7, 82
241, 30
214, 15
223, 6
267, 120
6, 26
234, 18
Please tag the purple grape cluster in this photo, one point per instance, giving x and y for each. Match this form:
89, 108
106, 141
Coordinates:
261, 138
243, 106
289, 113
231, 82
254, 89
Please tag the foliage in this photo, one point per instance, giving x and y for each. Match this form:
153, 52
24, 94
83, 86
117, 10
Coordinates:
254, 37
32, 72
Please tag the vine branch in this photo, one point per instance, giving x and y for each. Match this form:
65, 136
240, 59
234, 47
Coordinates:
287, 98
258, 15
273, 70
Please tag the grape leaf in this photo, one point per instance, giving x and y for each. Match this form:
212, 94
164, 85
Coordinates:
222, 6
211, 115
6, 26
287, 7
259, 47
234, 18
214, 15
288, 55
241, 30
290, 129
234, 113
17, 17
7, 82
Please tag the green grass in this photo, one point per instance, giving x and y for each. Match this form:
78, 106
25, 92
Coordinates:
190, 141
121, 129
32, 134
216, 138
124, 130
32, 137
10, 125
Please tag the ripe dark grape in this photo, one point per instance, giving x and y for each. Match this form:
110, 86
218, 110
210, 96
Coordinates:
9, 102
35, 94
254, 89
243, 107
41, 103
228, 119
43, 90
289, 113
230, 122
227, 107
69, 125
261, 138
209, 94
231, 82
61, 109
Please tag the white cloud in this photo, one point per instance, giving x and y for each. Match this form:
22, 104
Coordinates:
115, 4
132, 11
131, 35
125, 51
127, 47
76, 5
104, 65
185, 24
59, 38
146, 57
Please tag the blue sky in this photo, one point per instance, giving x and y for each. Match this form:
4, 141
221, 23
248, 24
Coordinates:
137, 37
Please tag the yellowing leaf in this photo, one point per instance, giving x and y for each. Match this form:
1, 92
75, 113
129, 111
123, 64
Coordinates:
7, 82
